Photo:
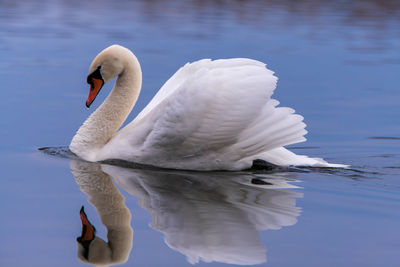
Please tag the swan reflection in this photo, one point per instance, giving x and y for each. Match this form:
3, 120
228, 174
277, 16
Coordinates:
205, 216
112, 211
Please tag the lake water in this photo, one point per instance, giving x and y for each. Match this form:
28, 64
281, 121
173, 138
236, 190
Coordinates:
338, 64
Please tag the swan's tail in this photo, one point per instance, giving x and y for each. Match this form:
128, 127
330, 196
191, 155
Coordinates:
283, 157
272, 129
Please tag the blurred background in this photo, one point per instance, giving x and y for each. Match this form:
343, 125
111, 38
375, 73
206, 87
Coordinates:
338, 64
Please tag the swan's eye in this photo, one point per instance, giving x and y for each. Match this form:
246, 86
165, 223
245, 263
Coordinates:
95, 74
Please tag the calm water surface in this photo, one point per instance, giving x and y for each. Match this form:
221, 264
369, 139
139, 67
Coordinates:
338, 63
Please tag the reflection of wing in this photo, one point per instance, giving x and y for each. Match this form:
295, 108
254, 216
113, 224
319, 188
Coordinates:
211, 216
115, 216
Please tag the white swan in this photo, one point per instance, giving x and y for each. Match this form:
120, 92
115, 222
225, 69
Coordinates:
210, 115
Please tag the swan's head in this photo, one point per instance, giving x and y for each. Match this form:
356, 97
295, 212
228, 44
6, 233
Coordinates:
108, 64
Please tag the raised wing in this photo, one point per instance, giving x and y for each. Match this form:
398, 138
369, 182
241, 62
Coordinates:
216, 110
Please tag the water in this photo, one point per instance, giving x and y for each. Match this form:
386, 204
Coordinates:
338, 64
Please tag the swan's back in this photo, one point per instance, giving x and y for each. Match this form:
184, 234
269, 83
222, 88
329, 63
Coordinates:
209, 115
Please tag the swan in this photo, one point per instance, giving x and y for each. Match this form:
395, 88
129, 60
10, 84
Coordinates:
210, 115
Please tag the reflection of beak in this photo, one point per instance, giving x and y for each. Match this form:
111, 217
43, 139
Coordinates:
88, 230
95, 86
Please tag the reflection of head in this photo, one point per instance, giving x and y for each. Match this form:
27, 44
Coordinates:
113, 213
212, 216
87, 236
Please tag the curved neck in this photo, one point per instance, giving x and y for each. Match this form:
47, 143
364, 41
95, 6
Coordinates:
102, 124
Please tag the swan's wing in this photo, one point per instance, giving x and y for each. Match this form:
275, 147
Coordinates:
220, 108
173, 84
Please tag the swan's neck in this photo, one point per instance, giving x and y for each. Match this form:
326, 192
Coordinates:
102, 124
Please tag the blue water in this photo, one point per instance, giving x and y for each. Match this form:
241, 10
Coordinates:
338, 65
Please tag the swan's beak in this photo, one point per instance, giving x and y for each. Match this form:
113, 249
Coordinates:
88, 230
95, 86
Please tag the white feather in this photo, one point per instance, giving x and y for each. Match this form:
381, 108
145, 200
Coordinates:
212, 115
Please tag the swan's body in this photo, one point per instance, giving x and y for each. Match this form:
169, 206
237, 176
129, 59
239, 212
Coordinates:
210, 115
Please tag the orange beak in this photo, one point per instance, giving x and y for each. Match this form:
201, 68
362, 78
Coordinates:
88, 230
95, 86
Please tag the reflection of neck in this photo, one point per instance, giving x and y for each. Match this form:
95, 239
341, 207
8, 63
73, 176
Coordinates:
115, 216
102, 124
